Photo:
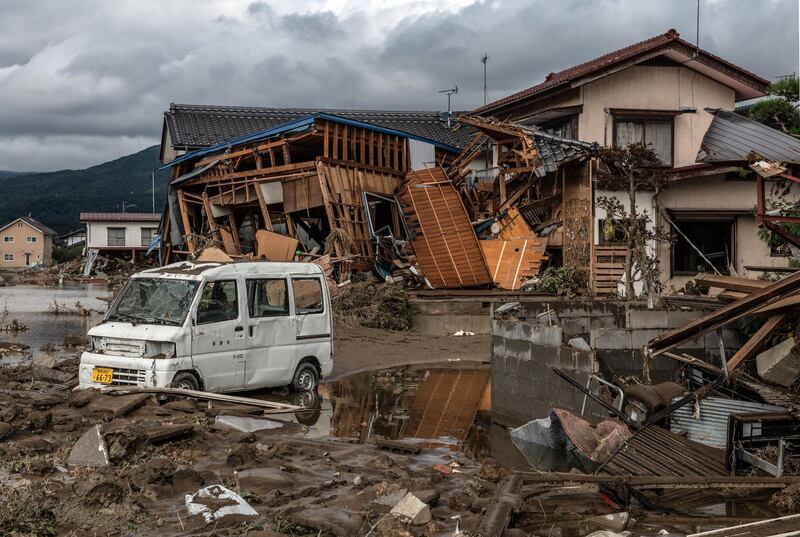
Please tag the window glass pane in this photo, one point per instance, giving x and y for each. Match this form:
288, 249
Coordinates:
116, 236
658, 134
218, 302
307, 295
267, 298
147, 235
629, 132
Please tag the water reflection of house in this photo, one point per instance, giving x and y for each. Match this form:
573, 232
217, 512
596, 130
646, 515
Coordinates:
442, 407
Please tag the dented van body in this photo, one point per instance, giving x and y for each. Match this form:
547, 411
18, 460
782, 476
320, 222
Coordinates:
221, 327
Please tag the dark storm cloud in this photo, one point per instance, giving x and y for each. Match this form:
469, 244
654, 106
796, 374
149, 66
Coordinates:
85, 81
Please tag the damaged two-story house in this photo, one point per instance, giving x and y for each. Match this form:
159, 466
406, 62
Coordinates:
681, 100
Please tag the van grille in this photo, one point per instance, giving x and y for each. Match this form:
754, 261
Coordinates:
124, 347
128, 377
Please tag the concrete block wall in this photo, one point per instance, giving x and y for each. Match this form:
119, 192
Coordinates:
523, 383
524, 351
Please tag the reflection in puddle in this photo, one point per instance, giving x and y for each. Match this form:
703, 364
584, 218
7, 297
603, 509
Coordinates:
434, 408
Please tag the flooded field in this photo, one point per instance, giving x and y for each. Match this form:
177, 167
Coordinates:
34, 307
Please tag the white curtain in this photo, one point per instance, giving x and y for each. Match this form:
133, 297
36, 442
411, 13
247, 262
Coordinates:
659, 136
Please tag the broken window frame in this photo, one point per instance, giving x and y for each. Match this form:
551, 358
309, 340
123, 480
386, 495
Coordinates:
681, 219
371, 225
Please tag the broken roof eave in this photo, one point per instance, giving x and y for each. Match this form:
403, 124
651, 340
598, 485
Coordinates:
300, 125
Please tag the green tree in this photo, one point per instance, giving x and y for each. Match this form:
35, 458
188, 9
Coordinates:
633, 169
780, 110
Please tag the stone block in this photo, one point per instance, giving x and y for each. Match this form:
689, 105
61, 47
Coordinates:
90, 450
648, 319
610, 339
551, 336
517, 349
780, 364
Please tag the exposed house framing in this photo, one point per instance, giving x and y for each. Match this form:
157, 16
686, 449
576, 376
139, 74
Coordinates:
303, 179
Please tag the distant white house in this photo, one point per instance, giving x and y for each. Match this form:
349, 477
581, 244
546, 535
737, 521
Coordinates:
72, 238
120, 232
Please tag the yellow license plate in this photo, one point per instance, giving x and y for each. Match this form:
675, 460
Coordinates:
103, 375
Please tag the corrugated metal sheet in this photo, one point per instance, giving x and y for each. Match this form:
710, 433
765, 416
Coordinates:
732, 137
442, 236
422, 154
711, 425
656, 451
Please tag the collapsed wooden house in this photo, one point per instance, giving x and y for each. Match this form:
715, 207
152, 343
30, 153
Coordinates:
318, 179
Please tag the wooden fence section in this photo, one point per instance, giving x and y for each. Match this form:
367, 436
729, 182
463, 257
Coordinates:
443, 239
608, 266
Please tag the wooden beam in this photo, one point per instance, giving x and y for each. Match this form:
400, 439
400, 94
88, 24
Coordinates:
725, 315
187, 229
732, 282
754, 343
264, 210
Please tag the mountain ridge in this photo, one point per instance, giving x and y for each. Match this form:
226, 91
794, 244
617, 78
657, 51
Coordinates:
57, 198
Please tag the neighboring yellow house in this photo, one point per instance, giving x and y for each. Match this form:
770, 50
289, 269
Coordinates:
25, 242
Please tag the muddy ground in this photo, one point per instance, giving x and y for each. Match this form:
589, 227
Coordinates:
325, 470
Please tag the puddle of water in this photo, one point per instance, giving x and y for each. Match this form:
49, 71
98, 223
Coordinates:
30, 305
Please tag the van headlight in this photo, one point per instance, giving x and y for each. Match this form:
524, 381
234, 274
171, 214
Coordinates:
160, 349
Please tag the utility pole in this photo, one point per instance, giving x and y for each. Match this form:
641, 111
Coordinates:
484, 61
153, 183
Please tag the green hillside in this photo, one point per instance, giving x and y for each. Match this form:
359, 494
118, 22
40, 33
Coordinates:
58, 198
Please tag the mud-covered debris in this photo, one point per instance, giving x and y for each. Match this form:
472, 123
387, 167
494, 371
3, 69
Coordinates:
266, 478
216, 502
182, 405
6, 430
187, 479
412, 509
154, 471
247, 425
90, 450
787, 500
391, 498
329, 521
392, 527
101, 491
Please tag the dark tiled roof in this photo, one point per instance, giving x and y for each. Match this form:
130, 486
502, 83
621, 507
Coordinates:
608, 60
554, 150
733, 137
193, 126
38, 225
120, 217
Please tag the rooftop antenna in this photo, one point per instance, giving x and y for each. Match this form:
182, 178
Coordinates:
484, 61
697, 32
449, 92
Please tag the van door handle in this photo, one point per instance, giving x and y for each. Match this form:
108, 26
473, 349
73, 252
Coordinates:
238, 329
251, 330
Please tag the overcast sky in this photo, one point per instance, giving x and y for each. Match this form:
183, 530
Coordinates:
85, 81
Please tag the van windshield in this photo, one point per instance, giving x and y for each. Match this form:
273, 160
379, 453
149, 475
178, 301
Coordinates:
154, 301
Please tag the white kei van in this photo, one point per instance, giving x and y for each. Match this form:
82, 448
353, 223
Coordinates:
220, 327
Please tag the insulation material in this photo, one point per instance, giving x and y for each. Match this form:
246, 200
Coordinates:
443, 239
514, 261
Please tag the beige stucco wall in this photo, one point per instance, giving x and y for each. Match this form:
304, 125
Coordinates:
97, 234
40, 251
714, 193
654, 88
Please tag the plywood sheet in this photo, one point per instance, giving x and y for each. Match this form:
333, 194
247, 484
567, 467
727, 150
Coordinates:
274, 246
443, 239
512, 262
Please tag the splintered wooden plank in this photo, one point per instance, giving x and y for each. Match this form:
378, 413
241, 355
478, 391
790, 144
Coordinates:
754, 343
732, 283
511, 262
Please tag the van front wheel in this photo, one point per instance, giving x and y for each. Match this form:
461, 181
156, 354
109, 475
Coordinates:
185, 381
306, 378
